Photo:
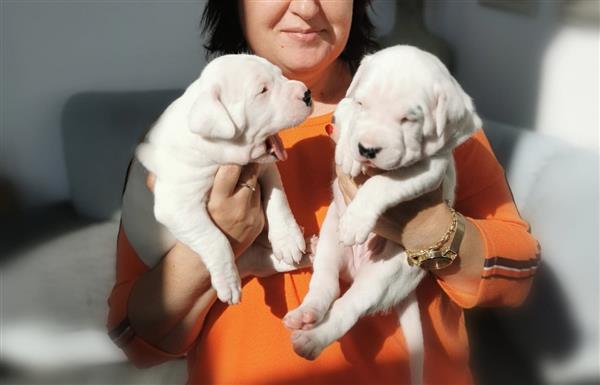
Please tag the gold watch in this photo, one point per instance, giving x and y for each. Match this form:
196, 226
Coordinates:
440, 256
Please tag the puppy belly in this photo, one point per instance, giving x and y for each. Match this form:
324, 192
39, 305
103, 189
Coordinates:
359, 255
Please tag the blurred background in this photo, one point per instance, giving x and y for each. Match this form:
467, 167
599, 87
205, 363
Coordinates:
82, 80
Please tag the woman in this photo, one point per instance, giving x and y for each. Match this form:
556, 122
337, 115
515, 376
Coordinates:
170, 311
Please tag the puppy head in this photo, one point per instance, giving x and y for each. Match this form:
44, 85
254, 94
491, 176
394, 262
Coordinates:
402, 106
241, 102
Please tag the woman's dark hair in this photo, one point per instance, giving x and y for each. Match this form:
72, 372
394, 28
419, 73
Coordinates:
221, 23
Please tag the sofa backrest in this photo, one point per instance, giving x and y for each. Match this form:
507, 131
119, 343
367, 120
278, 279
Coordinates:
100, 131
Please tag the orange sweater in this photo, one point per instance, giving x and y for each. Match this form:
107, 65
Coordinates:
248, 344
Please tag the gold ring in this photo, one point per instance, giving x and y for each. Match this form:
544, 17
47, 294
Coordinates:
244, 184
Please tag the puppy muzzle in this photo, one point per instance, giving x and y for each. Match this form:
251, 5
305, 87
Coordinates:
368, 152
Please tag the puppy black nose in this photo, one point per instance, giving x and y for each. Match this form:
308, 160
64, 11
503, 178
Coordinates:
369, 153
307, 99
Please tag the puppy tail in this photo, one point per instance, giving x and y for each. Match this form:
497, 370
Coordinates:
410, 322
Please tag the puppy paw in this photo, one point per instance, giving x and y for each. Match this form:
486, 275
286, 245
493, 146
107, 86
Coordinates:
288, 243
307, 344
350, 166
304, 317
229, 290
280, 266
313, 242
355, 226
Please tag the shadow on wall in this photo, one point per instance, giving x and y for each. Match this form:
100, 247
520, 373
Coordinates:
542, 329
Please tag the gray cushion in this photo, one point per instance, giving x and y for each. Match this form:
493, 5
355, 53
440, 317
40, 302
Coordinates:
100, 132
555, 186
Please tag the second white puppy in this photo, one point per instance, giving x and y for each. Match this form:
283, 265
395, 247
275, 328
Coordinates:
403, 113
230, 115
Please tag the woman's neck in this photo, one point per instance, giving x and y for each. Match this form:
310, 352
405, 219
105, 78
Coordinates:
328, 86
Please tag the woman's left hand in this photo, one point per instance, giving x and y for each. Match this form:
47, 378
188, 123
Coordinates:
415, 224
420, 223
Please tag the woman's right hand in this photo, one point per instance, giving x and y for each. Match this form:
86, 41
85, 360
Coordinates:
234, 208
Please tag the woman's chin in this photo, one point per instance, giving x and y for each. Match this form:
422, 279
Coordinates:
304, 60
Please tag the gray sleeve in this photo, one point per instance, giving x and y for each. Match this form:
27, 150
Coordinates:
149, 238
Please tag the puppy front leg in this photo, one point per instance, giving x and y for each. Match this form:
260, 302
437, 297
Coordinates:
324, 284
259, 261
384, 191
182, 209
287, 240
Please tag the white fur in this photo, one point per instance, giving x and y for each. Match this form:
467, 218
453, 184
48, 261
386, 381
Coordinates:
405, 102
224, 117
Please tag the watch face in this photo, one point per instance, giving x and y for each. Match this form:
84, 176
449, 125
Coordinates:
436, 263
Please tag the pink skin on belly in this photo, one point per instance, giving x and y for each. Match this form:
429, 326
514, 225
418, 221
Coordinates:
358, 254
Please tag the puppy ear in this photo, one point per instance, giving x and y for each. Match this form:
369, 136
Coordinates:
356, 77
473, 121
209, 118
440, 117
428, 120
454, 112
470, 123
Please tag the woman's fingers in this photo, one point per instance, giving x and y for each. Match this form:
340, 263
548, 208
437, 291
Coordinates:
346, 184
248, 181
349, 185
150, 180
226, 180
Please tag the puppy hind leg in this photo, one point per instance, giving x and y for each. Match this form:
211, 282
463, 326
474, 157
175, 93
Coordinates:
363, 297
324, 285
410, 323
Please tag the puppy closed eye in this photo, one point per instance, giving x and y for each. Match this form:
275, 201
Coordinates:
408, 119
412, 116
263, 90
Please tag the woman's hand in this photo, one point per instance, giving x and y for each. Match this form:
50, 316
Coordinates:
235, 209
415, 224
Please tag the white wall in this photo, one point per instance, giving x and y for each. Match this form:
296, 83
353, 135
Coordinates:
53, 49
535, 72
569, 102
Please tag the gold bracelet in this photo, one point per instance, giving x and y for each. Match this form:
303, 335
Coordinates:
414, 255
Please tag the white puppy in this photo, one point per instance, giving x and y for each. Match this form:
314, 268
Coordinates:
230, 115
403, 113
